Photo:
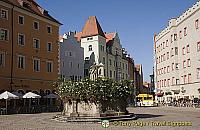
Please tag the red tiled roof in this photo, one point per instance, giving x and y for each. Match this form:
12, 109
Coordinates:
110, 36
33, 7
92, 28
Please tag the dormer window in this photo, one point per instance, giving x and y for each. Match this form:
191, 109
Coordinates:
90, 38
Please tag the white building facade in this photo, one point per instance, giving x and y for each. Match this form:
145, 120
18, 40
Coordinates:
103, 50
71, 57
177, 57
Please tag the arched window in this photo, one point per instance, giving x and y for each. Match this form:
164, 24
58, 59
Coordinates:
90, 47
99, 71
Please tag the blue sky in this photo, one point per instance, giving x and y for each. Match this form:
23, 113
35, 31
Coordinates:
136, 21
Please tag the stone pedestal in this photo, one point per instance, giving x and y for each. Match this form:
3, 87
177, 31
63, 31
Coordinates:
90, 109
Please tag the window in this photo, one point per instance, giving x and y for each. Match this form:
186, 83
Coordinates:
197, 23
175, 37
164, 70
2, 59
164, 82
198, 73
78, 66
180, 34
123, 65
176, 50
49, 66
90, 47
70, 54
36, 64
110, 62
188, 62
4, 14
163, 57
21, 62
185, 31
168, 82
90, 38
167, 55
184, 64
163, 45
185, 79
183, 51
21, 19
3, 34
104, 60
36, 43
49, 29
49, 47
36, 25
173, 80
126, 66
71, 64
21, 39
198, 46
177, 81
188, 49
172, 52
110, 74
177, 66
171, 38
189, 78
167, 44
173, 66
168, 69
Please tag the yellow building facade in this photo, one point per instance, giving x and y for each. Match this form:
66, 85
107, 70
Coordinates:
28, 47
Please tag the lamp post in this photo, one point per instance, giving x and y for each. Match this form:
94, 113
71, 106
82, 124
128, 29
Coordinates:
11, 85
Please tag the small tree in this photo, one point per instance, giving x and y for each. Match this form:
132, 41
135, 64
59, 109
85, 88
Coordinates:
107, 92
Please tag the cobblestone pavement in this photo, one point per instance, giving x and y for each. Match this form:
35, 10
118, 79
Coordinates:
149, 115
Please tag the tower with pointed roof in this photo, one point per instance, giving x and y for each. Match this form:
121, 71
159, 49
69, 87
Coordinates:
102, 49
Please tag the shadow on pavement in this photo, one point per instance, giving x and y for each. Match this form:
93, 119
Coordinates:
147, 116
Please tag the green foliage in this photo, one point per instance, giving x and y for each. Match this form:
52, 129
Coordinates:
100, 90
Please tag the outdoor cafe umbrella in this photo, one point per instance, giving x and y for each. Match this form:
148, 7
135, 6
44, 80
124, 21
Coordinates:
30, 95
7, 95
20, 95
51, 96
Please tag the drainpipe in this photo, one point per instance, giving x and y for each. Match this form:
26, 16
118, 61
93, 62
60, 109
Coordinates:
12, 56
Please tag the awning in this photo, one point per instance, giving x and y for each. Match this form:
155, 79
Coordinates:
8, 95
51, 96
31, 95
